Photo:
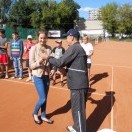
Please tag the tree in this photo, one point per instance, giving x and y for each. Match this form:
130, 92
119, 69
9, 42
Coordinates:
4, 8
109, 18
68, 12
125, 19
19, 15
44, 14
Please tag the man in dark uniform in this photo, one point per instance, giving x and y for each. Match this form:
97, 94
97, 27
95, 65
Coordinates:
77, 78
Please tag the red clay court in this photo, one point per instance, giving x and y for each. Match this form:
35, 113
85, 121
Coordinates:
108, 104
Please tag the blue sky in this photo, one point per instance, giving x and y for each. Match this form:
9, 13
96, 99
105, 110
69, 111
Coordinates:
92, 4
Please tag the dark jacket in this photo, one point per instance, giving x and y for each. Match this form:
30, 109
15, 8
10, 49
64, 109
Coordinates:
76, 61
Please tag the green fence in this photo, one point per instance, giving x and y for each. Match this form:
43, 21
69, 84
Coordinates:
23, 32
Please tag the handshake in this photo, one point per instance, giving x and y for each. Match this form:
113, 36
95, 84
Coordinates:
43, 57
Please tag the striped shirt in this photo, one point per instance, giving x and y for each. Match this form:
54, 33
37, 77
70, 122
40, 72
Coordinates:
16, 48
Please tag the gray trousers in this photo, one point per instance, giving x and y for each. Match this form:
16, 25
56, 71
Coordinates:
78, 108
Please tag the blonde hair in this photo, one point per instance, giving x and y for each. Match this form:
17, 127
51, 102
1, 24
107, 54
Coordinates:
86, 36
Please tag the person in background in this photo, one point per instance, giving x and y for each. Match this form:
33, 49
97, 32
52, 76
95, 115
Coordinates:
3, 54
27, 48
77, 78
57, 52
16, 54
40, 71
88, 47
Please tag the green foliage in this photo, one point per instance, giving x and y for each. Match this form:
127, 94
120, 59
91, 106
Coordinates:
117, 19
4, 8
44, 14
19, 15
108, 17
68, 12
125, 19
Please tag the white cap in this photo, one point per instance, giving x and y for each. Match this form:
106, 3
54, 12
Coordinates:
58, 40
29, 36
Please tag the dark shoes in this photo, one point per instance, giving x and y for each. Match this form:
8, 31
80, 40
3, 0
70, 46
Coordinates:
47, 120
37, 121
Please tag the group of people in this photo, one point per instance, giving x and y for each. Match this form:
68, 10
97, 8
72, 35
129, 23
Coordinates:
43, 63
76, 60
16, 50
15, 54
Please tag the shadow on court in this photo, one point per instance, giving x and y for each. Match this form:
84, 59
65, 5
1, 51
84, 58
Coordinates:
64, 109
98, 77
101, 111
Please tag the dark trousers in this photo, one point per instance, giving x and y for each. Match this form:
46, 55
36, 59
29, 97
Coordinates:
78, 107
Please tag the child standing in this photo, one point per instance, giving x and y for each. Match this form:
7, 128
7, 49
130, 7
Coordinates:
27, 48
16, 53
3, 54
57, 52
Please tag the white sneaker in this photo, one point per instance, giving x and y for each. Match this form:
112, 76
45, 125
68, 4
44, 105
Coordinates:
20, 78
13, 77
32, 79
29, 79
6, 77
70, 129
106, 130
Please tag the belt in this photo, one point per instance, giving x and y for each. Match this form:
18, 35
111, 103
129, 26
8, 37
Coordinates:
76, 70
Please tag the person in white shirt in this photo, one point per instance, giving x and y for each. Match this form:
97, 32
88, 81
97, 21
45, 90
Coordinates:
88, 47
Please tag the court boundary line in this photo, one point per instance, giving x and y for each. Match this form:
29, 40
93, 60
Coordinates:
112, 66
65, 89
111, 88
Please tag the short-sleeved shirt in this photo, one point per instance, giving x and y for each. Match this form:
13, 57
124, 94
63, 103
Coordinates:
87, 47
76, 61
2, 43
28, 47
58, 52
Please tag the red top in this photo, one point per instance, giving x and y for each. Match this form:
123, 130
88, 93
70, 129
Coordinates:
27, 48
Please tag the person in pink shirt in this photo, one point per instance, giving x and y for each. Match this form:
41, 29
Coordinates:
27, 48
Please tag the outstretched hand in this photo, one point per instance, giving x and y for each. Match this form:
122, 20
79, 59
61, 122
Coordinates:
44, 56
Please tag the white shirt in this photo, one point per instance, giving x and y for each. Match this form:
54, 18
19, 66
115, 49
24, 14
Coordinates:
87, 47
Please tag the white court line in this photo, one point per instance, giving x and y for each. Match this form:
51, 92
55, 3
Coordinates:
66, 89
112, 65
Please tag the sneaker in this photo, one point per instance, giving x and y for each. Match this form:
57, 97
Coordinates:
14, 77
70, 129
6, 77
29, 79
32, 80
20, 78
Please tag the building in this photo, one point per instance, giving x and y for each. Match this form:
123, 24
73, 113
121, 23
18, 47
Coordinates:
91, 26
93, 14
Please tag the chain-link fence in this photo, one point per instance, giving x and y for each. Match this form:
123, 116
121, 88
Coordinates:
23, 32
